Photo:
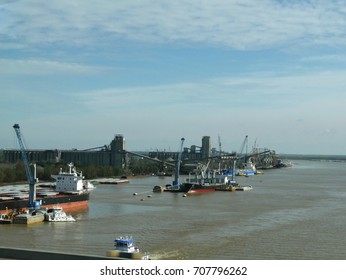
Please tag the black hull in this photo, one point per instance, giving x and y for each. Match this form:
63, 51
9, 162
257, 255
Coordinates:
47, 200
183, 188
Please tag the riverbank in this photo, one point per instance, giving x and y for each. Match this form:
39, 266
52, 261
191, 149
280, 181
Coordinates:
314, 157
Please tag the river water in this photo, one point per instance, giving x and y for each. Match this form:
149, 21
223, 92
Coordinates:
292, 213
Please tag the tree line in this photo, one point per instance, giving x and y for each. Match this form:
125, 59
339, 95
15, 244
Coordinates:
10, 173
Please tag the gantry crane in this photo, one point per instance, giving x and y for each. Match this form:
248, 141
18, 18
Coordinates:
176, 182
30, 176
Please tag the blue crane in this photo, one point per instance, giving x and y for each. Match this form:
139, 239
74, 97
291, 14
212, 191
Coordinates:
244, 145
30, 176
177, 165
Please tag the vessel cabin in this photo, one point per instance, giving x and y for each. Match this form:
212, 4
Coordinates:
125, 245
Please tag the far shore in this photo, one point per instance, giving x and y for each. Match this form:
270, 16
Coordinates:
43, 182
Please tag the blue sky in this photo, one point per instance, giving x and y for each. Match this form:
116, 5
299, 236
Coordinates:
75, 73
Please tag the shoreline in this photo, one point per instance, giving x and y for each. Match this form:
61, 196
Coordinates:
17, 183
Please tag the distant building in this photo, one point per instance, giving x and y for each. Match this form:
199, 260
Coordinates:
192, 153
206, 147
111, 155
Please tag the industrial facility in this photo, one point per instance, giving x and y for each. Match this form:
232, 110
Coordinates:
113, 154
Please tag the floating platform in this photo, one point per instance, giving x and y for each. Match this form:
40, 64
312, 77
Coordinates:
113, 181
226, 188
27, 219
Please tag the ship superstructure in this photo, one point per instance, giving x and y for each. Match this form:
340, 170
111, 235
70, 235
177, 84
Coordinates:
69, 182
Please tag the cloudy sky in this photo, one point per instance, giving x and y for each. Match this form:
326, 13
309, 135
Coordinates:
74, 74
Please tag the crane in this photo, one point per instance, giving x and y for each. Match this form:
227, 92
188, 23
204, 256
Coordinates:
242, 149
220, 152
149, 158
243, 145
104, 148
177, 165
219, 139
31, 179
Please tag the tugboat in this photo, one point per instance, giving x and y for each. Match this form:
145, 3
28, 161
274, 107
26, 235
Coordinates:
124, 247
56, 214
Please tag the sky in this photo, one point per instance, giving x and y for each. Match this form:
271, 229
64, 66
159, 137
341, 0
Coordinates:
73, 74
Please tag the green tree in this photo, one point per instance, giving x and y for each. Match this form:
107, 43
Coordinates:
20, 173
10, 175
2, 176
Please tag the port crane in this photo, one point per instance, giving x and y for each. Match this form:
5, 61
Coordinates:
29, 174
177, 165
243, 146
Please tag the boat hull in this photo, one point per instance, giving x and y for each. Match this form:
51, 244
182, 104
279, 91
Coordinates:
183, 188
68, 201
200, 188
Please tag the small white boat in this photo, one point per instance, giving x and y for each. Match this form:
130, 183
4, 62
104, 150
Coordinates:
125, 247
5, 219
56, 214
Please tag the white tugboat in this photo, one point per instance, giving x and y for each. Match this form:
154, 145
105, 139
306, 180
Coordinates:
56, 214
124, 247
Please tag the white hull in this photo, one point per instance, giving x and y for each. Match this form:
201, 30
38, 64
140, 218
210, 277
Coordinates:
56, 214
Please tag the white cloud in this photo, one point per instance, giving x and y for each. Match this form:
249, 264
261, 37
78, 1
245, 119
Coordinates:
242, 24
252, 92
49, 49
44, 67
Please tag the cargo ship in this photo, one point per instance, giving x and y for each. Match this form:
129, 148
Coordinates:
202, 184
70, 191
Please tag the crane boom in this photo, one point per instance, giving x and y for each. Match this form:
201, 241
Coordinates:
177, 166
242, 147
149, 158
30, 176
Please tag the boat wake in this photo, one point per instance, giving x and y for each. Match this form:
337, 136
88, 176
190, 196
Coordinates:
170, 255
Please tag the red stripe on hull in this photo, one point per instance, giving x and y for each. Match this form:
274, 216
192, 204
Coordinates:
77, 206
67, 201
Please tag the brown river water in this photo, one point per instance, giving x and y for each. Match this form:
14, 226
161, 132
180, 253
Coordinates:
292, 213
